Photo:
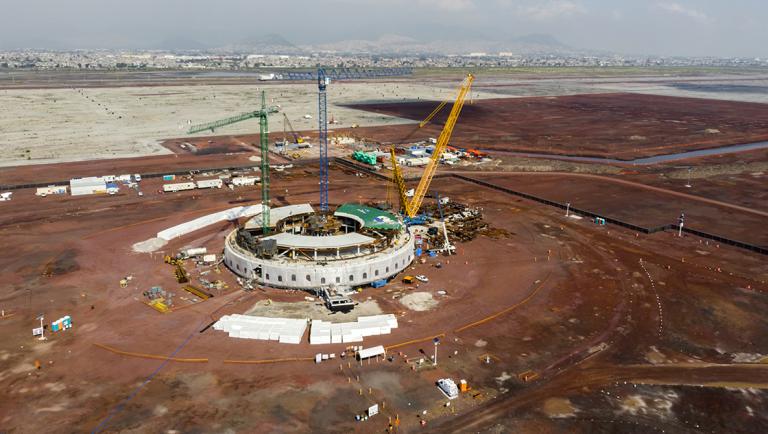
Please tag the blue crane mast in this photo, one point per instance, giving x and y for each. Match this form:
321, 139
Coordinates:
324, 77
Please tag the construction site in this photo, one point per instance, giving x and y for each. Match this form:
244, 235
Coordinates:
374, 251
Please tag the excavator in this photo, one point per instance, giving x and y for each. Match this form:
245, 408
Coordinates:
411, 206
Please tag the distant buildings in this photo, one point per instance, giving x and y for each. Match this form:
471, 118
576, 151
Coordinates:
131, 60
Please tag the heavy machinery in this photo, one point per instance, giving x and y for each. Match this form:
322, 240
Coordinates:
264, 142
434, 112
411, 207
287, 123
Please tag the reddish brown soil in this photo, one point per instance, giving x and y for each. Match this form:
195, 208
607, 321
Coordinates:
620, 125
565, 286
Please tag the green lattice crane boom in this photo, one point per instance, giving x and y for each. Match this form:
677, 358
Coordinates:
264, 145
212, 126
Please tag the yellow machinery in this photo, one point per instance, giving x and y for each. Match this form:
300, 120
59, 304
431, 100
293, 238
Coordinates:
197, 292
159, 305
434, 112
411, 207
181, 274
171, 260
286, 121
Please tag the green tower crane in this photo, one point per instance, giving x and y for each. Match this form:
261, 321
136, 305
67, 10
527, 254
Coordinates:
264, 139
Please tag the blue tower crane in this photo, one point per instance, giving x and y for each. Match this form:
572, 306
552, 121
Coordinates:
322, 137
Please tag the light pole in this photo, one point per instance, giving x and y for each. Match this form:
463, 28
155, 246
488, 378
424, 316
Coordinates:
681, 222
436, 341
567, 208
42, 329
688, 184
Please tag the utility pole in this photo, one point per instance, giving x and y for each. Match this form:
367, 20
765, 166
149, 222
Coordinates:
567, 208
436, 341
42, 329
688, 184
680, 223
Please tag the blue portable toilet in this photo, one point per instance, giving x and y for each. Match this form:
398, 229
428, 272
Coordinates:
418, 251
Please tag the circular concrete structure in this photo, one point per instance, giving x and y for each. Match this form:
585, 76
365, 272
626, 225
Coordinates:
353, 246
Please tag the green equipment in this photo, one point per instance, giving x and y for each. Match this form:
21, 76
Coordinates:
263, 136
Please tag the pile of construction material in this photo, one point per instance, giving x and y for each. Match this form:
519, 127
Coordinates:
283, 330
323, 332
463, 222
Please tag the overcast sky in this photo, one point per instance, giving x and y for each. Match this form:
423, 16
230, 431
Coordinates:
666, 27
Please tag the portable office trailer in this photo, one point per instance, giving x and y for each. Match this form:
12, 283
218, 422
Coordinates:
411, 162
180, 186
91, 185
210, 183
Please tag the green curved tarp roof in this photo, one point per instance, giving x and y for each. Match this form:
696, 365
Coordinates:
372, 218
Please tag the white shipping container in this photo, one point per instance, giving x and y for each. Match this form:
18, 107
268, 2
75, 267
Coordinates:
195, 251
209, 258
210, 183
125, 178
411, 162
180, 186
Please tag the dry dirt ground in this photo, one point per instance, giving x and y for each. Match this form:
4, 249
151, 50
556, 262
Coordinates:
72, 124
627, 332
614, 323
619, 125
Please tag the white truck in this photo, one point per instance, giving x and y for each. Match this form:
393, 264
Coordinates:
210, 183
179, 186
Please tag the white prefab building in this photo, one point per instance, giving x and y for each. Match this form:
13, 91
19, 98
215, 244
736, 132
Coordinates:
245, 180
83, 186
179, 186
411, 162
51, 189
210, 183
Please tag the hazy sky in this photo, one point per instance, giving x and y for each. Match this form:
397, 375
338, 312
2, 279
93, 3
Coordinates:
667, 27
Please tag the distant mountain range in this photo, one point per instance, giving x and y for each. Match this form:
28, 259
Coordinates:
383, 45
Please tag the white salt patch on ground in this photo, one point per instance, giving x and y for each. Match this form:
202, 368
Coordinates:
419, 301
150, 245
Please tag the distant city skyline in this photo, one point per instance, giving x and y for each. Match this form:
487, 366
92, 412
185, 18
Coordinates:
633, 27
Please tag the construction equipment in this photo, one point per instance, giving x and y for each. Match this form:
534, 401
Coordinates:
324, 77
172, 260
181, 273
287, 122
197, 292
434, 112
336, 302
411, 207
448, 248
159, 305
264, 142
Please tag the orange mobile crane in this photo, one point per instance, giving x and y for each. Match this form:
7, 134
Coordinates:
411, 207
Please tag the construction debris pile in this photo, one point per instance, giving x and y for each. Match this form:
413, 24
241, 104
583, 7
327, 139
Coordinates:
463, 222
